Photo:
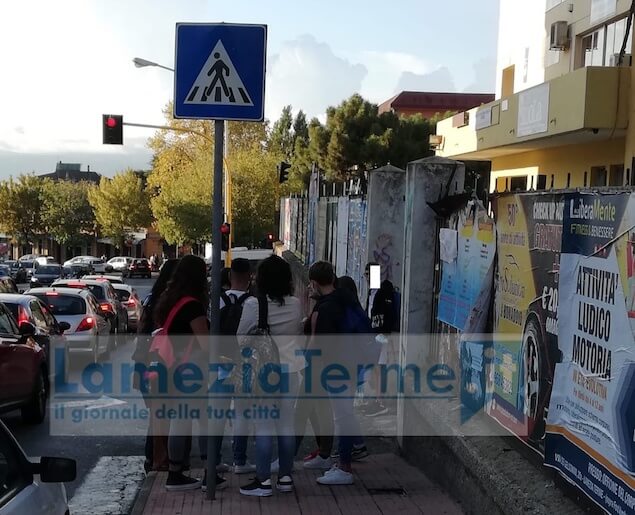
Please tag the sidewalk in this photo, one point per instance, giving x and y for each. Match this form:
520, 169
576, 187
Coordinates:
384, 483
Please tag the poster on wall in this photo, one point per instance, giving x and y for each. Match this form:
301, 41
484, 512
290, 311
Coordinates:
525, 347
462, 278
342, 235
591, 425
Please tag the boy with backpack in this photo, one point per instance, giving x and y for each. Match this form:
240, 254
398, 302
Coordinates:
338, 312
231, 309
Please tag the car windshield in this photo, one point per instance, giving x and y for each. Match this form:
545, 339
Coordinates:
63, 304
13, 308
27, 264
49, 270
4, 270
122, 295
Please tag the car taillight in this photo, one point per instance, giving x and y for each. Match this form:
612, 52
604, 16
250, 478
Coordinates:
22, 316
105, 306
86, 324
131, 302
51, 294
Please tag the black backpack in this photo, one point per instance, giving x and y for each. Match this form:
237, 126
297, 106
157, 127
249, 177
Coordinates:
231, 312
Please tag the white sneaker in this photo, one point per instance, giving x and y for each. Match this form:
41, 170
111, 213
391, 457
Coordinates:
244, 469
319, 463
336, 476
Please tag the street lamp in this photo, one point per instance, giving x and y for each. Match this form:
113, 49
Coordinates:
141, 63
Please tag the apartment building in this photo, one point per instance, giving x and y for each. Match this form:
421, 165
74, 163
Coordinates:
563, 99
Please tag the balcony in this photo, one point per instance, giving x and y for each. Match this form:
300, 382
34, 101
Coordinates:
588, 104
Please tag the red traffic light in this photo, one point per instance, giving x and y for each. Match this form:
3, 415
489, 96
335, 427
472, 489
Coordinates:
111, 122
225, 228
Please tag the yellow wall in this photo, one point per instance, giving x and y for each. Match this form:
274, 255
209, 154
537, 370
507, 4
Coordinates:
559, 161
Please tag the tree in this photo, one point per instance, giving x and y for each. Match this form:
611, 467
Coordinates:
300, 128
21, 202
281, 138
121, 205
66, 212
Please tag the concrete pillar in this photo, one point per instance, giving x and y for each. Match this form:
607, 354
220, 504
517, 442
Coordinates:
386, 203
427, 180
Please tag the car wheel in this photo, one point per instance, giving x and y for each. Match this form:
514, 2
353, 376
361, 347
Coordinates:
35, 411
535, 379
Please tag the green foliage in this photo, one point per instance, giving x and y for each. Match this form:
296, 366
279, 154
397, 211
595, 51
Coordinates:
21, 202
281, 138
121, 205
66, 213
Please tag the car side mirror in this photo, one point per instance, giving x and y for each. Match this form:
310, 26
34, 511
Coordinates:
55, 470
64, 326
27, 329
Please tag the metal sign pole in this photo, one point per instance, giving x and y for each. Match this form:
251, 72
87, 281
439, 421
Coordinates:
217, 220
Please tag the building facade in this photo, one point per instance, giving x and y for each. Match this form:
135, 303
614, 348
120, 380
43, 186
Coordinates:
563, 101
429, 105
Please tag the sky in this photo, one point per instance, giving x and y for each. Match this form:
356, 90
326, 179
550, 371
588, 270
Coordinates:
66, 62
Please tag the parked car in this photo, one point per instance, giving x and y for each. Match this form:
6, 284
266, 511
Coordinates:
18, 273
33, 488
26, 308
28, 257
112, 279
89, 329
105, 295
28, 266
127, 295
44, 260
119, 263
95, 264
138, 267
23, 370
45, 275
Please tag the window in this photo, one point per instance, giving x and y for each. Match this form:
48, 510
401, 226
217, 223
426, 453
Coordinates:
508, 82
616, 175
599, 47
64, 305
7, 324
598, 176
13, 476
38, 316
518, 183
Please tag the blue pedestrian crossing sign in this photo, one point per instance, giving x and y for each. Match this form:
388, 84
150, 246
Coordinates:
220, 71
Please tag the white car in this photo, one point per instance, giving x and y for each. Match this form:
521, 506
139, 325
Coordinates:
28, 487
119, 263
89, 330
112, 279
95, 263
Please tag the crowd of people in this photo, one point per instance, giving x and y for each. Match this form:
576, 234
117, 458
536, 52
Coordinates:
256, 304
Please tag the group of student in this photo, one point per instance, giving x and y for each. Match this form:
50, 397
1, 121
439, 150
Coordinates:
178, 304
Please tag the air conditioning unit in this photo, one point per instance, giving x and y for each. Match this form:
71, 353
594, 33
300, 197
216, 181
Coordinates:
627, 60
559, 36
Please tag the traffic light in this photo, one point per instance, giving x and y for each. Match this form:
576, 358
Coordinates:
112, 125
225, 231
283, 171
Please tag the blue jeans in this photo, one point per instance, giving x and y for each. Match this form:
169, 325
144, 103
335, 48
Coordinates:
284, 427
346, 427
242, 428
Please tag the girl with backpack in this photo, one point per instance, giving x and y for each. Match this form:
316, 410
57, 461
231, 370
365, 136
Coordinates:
282, 313
181, 313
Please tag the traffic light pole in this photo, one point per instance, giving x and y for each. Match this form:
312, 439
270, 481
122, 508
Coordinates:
217, 220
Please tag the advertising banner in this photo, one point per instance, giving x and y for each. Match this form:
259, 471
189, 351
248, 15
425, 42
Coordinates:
591, 425
529, 234
463, 278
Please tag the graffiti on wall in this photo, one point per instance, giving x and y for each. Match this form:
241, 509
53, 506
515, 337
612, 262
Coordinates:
383, 252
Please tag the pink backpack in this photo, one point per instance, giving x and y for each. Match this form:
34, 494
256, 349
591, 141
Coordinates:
161, 344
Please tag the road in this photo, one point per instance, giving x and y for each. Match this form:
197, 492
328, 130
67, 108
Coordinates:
86, 450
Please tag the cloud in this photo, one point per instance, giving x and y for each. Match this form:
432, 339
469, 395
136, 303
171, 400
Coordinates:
384, 70
484, 77
309, 76
19, 129
439, 80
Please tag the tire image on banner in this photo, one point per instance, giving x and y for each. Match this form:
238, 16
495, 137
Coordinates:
529, 233
591, 425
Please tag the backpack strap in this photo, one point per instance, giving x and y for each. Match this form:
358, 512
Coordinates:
175, 310
243, 298
225, 297
263, 313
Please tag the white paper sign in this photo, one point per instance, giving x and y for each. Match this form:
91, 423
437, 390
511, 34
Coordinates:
533, 111
483, 118
448, 245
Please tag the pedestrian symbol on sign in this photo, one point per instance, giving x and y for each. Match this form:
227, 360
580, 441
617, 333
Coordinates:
218, 82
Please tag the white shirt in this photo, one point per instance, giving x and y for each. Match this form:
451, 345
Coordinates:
229, 293
285, 325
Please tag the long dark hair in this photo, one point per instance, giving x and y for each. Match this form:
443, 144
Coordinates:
146, 324
188, 280
274, 279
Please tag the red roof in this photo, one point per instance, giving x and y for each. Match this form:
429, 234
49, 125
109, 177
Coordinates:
440, 101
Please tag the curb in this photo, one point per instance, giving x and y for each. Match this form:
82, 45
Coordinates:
143, 494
